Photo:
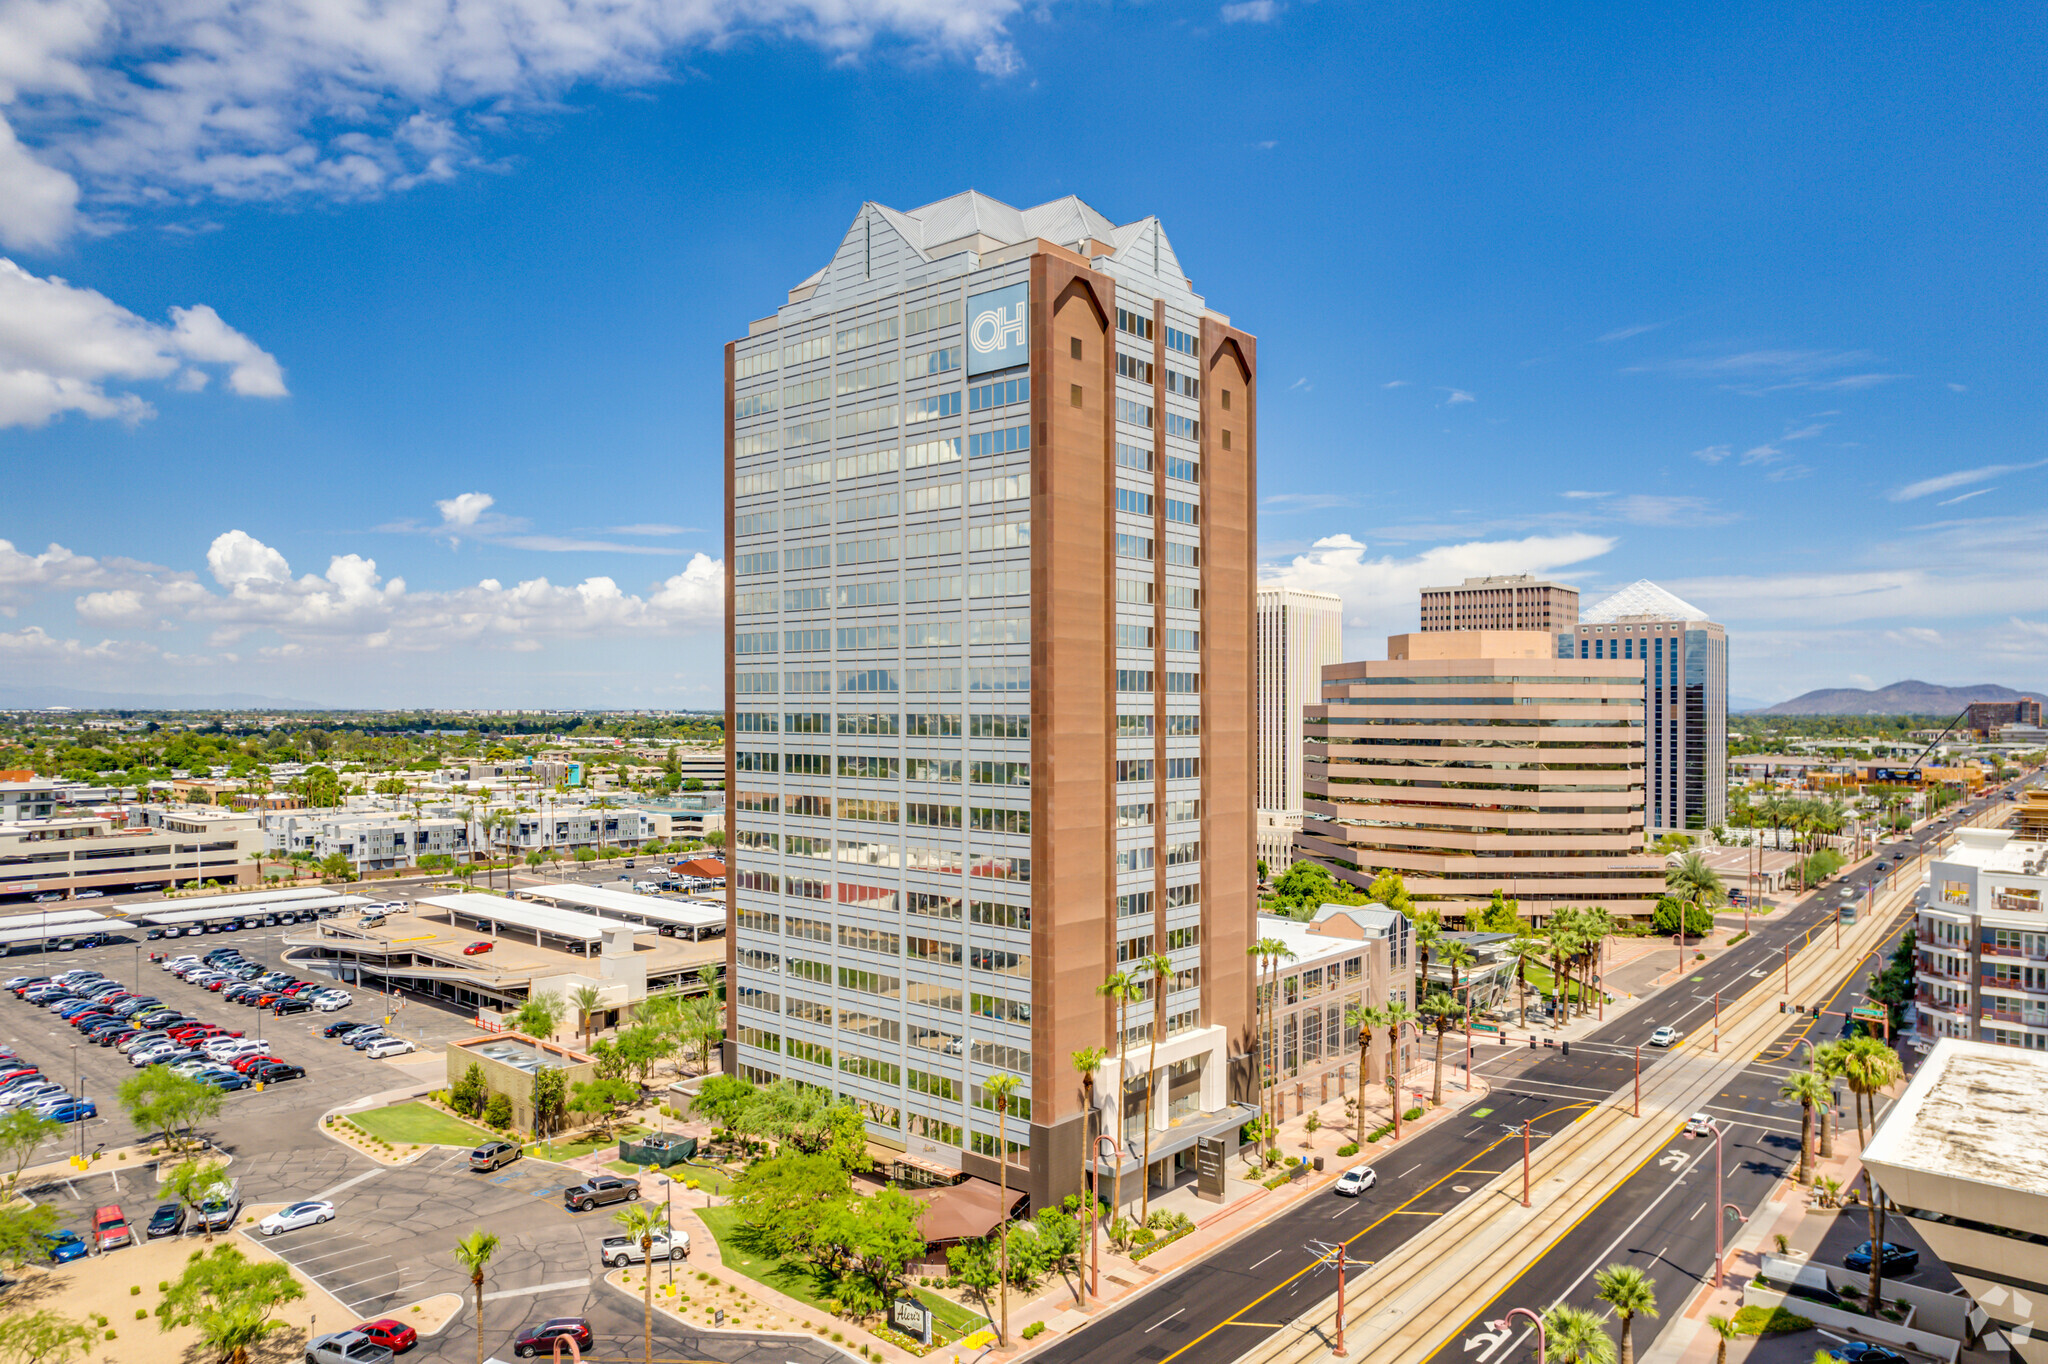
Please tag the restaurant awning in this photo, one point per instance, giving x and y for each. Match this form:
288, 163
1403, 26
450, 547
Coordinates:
968, 1210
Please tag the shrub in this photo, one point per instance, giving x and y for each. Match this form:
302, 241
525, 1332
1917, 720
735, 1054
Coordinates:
1349, 1148
498, 1111
1293, 1161
1036, 1328
135, 1290
1757, 1320
110, 1333
142, 1314
1412, 1114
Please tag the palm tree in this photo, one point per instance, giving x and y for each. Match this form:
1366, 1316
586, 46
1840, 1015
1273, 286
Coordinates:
1455, 955
1631, 1293
1268, 953
1161, 967
1725, 1329
1522, 950
1812, 1092
586, 1000
1393, 1014
1440, 1010
1868, 1065
1563, 932
259, 857
1428, 933
473, 1252
1693, 883
1598, 926
999, 1087
1828, 1062
1574, 1336
1121, 990
642, 1221
1364, 1018
1087, 1061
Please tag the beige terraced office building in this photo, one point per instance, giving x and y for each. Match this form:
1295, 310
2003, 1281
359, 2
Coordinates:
1504, 601
1471, 761
991, 528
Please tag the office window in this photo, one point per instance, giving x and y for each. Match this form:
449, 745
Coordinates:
1136, 457
938, 315
931, 407
1132, 368
1006, 441
999, 394
1183, 342
1130, 500
1133, 546
1074, 347
1136, 324
1137, 414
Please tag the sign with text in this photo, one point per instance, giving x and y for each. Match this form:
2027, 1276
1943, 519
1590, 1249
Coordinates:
1209, 1158
912, 1318
998, 329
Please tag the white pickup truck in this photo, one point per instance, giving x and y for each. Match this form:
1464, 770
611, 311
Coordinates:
619, 1250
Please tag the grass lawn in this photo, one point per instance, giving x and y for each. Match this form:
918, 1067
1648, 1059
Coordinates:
569, 1150
710, 1181
739, 1250
415, 1124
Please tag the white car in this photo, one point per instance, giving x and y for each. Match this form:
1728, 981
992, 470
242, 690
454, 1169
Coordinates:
327, 1001
190, 1068
1664, 1036
296, 1215
1699, 1125
1356, 1181
387, 1046
175, 962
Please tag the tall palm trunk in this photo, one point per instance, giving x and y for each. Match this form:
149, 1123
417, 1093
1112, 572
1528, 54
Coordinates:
1159, 982
1123, 1090
476, 1283
647, 1290
1364, 1043
1436, 1089
1394, 1078
1805, 1141
1003, 1183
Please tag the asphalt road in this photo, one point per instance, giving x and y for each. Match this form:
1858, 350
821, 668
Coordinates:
1225, 1304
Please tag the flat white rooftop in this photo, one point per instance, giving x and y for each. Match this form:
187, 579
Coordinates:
249, 897
204, 913
1976, 1112
54, 918
653, 908
560, 923
1996, 850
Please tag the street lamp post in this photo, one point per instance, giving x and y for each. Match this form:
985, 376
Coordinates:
1717, 1022
1720, 1219
1741, 1217
1525, 1162
1329, 1254
1542, 1338
1788, 966
1639, 1080
1095, 1197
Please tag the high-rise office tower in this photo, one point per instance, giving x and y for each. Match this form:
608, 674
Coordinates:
1685, 698
991, 704
1508, 601
1299, 632
1475, 761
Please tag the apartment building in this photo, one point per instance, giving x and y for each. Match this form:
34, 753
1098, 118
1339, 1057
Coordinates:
1475, 761
991, 534
1503, 601
1981, 970
118, 850
1684, 658
1299, 633
370, 840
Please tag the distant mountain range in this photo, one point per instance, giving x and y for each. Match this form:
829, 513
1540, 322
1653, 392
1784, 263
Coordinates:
39, 698
1900, 698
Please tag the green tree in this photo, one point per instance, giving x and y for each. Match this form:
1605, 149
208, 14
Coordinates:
230, 1301
498, 1112
1364, 1018
639, 1047
473, 1252
336, 866
586, 999
1699, 920
1631, 1293
1725, 1331
701, 1021
23, 1225
550, 1097
22, 1134
43, 1337
642, 1223
1812, 1092
1501, 916
1440, 1011
721, 1098
1161, 967
1829, 1061
1307, 886
539, 1015
469, 1093
1061, 1245
783, 1197
973, 1263
1695, 883
1522, 951
160, 1099
1389, 889
1122, 992
1266, 954
1393, 1015
874, 1239
602, 1100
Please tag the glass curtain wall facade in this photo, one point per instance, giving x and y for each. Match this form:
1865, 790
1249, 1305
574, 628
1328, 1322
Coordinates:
990, 698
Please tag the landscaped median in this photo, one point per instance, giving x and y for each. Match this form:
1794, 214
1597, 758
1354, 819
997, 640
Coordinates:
398, 1132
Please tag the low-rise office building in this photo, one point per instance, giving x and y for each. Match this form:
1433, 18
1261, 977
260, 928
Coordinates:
129, 849
1346, 957
1982, 942
371, 841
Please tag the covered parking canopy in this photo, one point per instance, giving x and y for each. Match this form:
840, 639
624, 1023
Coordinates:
489, 913
320, 902
54, 918
22, 928
242, 899
684, 917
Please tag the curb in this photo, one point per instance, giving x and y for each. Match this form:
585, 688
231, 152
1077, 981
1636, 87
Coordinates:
722, 1331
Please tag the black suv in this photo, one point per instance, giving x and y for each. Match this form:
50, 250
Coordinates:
600, 1189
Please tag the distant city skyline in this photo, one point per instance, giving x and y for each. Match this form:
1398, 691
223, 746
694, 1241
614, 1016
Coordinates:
419, 404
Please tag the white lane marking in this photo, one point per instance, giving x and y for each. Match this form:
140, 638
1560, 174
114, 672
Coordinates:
1409, 1171
326, 1195
338, 1289
532, 1289
1697, 1211
1163, 1320
351, 1250
1266, 1258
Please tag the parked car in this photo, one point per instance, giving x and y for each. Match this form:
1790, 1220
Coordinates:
363, 1039
535, 1339
167, 1220
296, 1215
271, 1071
63, 1247
1355, 1181
601, 1189
110, 1228
289, 1005
220, 1077
386, 1047
1898, 1259
1699, 1125
333, 1030
346, 1347
392, 1334
493, 1154
218, 1210
71, 1110
1664, 1036
1859, 1352
625, 1250
327, 1001
477, 949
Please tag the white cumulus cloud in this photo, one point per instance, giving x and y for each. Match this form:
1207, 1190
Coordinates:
67, 349
464, 508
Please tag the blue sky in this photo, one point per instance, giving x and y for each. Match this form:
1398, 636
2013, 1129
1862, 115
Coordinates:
378, 361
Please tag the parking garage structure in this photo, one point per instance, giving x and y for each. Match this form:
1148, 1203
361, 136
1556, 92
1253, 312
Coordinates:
489, 954
674, 918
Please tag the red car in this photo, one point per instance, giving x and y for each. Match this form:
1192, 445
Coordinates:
477, 949
267, 998
243, 1065
394, 1336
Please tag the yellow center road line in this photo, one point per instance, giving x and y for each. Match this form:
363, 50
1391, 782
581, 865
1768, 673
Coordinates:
1408, 1212
1478, 1172
1268, 1325
1369, 1227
